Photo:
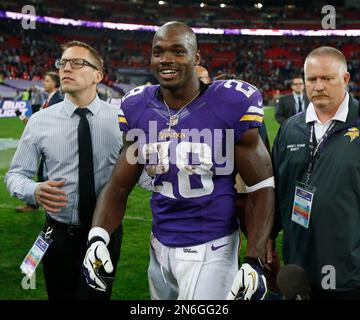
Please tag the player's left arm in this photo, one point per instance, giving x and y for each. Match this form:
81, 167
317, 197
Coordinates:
253, 163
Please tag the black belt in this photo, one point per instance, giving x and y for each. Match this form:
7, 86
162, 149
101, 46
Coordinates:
72, 229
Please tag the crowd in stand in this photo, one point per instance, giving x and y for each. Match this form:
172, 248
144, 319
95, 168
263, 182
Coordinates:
28, 54
235, 14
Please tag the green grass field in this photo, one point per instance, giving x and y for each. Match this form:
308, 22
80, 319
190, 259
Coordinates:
18, 231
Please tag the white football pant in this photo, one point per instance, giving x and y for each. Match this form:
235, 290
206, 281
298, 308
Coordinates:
202, 272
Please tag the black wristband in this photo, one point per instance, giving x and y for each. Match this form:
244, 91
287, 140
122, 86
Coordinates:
94, 239
254, 261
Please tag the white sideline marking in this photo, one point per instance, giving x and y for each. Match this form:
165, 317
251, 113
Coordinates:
137, 218
7, 206
8, 143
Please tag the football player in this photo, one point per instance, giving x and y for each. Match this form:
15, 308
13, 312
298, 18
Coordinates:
192, 138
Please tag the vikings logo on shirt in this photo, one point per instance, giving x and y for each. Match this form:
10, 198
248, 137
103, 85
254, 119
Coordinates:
352, 133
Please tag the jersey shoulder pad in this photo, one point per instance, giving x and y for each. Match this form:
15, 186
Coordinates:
237, 100
137, 96
235, 91
134, 102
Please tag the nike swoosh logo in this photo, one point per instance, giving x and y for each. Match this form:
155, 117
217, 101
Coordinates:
214, 248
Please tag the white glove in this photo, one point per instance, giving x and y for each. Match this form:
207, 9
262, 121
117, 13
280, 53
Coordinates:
250, 282
96, 261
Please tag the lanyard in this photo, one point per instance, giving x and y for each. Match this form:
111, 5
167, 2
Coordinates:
315, 148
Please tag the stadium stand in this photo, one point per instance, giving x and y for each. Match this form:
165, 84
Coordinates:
267, 62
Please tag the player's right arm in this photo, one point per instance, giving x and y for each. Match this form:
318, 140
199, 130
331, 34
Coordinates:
109, 212
111, 203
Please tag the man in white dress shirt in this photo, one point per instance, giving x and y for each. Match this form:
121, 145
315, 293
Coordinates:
55, 134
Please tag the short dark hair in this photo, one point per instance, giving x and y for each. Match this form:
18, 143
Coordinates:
328, 51
93, 52
296, 76
55, 77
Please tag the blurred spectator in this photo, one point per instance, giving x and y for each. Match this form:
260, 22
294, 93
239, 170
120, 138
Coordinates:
51, 87
35, 99
293, 103
203, 74
25, 95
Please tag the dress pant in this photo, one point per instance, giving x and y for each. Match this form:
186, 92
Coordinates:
63, 261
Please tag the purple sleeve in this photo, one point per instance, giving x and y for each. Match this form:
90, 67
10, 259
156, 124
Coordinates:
239, 104
252, 115
123, 123
132, 105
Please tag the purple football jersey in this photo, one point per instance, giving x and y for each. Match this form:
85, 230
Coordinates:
191, 157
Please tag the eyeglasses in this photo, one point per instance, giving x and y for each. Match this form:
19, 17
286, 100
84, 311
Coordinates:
77, 63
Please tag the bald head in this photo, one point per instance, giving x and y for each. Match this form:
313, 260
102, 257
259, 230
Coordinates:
187, 33
174, 57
